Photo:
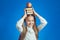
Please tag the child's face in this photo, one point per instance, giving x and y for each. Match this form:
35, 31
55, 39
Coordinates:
30, 21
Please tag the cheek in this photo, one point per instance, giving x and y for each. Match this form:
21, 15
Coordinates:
27, 22
32, 22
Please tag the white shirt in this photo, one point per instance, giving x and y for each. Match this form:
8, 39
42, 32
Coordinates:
30, 35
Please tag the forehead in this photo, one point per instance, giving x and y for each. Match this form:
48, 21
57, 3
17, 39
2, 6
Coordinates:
30, 17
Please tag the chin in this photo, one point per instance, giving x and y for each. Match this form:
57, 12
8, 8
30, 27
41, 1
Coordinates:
30, 25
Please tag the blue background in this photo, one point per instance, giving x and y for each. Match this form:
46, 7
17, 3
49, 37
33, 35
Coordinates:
12, 10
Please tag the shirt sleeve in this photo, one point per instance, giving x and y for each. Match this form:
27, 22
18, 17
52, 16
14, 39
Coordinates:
43, 23
42, 20
19, 24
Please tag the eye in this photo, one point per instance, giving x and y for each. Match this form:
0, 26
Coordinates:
32, 20
29, 20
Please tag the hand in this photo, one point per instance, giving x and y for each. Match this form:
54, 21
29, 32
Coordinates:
25, 15
34, 12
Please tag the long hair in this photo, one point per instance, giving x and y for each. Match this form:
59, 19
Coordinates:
25, 29
34, 26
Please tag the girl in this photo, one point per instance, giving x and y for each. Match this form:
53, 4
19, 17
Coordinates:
29, 31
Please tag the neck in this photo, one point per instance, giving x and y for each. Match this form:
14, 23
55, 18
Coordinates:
29, 26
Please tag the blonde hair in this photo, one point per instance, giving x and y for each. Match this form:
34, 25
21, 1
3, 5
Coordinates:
34, 26
25, 29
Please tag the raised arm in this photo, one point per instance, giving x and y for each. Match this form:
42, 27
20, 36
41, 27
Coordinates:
20, 23
43, 21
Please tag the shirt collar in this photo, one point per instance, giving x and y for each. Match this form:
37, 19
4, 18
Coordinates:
29, 28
